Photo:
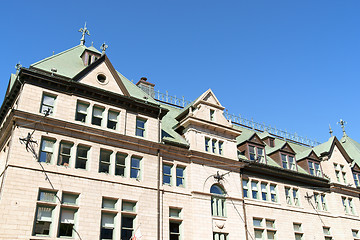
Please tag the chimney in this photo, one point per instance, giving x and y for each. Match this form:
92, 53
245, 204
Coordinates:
146, 86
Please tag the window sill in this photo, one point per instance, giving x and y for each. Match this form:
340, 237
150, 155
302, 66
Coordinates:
262, 201
219, 218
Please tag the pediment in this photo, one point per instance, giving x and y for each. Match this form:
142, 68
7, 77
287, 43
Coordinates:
313, 156
356, 168
101, 74
256, 139
287, 148
210, 99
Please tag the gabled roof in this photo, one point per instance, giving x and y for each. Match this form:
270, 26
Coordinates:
305, 154
352, 148
328, 146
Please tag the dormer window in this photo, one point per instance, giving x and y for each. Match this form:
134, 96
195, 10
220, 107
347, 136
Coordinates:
314, 169
288, 162
272, 143
257, 153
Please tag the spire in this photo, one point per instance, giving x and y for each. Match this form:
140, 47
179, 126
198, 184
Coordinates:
342, 123
330, 130
103, 48
84, 32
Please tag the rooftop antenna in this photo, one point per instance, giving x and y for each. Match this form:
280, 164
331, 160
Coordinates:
103, 48
18, 67
342, 123
84, 32
330, 130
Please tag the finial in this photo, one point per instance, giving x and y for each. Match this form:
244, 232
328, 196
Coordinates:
18, 67
92, 43
103, 48
330, 130
342, 123
84, 31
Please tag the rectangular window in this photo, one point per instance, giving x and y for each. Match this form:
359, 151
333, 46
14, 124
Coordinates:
214, 150
298, 231
69, 199
245, 188
345, 205
128, 206
43, 220
287, 195
107, 226
127, 226
81, 111
67, 222
254, 189
343, 173
252, 153
112, 119
47, 149
257, 222
259, 234
109, 203
47, 104
81, 157
104, 161
351, 206
174, 212
64, 154
120, 164
218, 206
180, 178
284, 161
292, 164
207, 144
260, 155
97, 116
318, 170
296, 197
327, 233
264, 194
167, 174
135, 167
356, 179
273, 193
311, 168
323, 202
174, 229
221, 151
46, 196
355, 234
140, 127
320, 202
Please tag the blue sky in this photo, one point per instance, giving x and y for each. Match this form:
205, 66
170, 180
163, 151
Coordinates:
289, 64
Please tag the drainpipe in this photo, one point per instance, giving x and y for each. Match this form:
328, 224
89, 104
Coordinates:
158, 180
244, 209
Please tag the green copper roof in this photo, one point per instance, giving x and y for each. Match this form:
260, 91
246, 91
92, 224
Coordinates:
324, 147
91, 48
352, 148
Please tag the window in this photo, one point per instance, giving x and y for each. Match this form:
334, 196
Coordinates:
174, 212
167, 174
140, 127
135, 167
273, 193
81, 156
288, 162
180, 178
47, 104
46, 152
81, 111
356, 179
220, 236
107, 226
292, 196
120, 164
214, 150
348, 205
46, 196
43, 220
257, 154
127, 219
320, 202
221, 151
271, 141
112, 119
343, 173
252, 153
217, 201
318, 170
296, 197
64, 154
355, 234
264, 231
287, 196
69, 199
97, 116
174, 230
207, 146
254, 189
340, 173
311, 168
67, 222
327, 233
245, 183
298, 231
212, 115
264, 194
104, 163
109, 203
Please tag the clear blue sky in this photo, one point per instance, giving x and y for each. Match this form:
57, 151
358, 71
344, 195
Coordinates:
291, 64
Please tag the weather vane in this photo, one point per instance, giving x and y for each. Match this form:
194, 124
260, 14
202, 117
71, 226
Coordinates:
84, 32
18, 66
103, 48
330, 130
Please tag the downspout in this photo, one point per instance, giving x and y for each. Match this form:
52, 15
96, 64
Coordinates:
158, 180
244, 209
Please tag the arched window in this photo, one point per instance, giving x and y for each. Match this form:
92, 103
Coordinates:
217, 201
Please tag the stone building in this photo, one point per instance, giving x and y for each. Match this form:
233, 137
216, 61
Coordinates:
86, 154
